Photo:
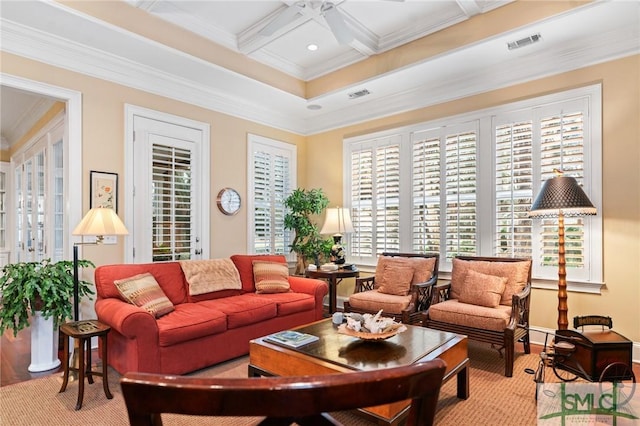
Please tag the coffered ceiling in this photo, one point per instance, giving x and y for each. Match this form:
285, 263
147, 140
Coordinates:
92, 38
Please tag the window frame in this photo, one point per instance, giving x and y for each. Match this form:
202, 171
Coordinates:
274, 146
484, 118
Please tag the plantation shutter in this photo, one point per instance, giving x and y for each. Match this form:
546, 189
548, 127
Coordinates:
271, 182
513, 188
387, 200
425, 186
361, 241
461, 229
562, 147
172, 220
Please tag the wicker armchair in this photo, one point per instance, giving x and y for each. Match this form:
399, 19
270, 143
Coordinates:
401, 287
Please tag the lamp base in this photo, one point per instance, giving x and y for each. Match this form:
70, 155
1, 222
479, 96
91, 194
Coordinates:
337, 251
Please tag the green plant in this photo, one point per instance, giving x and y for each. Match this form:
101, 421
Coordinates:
42, 286
307, 243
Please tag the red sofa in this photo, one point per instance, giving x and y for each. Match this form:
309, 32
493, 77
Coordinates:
202, 330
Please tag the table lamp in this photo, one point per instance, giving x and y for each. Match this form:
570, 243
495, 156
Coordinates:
98, 222
559, 197
337, 222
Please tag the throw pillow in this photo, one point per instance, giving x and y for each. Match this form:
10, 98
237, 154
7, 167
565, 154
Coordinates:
395, 278
481, 289
271, 277
144, 291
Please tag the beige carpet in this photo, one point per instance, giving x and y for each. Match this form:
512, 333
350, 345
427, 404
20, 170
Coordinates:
494, 399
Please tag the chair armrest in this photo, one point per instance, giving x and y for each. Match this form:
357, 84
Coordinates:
520, 308
365, 284
440, 293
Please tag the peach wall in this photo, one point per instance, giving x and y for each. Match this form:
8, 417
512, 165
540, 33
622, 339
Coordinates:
103, 146
621, 181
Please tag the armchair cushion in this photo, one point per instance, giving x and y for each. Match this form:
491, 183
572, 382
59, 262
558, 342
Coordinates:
422, 267
473, 316
517, 274
395, 278
374, 300
482, 289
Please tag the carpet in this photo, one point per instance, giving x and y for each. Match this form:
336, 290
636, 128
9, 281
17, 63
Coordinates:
494, 399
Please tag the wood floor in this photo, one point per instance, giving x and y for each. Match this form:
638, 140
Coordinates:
15, 357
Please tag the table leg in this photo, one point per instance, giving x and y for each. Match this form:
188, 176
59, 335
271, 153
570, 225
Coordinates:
80, 375
463, 382
333, 290
105, 377
89, 364
65, 366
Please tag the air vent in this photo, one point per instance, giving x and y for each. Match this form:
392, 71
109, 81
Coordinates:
524, 41
359, 94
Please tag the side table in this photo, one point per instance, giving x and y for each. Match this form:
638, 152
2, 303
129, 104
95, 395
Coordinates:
84, 331
333, 278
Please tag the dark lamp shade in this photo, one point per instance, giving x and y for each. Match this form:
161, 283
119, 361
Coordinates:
561, 194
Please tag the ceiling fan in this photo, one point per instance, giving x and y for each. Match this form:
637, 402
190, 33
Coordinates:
328, 10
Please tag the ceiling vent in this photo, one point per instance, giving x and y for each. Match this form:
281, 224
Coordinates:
524, 41
359, 94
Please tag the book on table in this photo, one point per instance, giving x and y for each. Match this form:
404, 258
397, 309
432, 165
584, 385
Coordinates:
291, 338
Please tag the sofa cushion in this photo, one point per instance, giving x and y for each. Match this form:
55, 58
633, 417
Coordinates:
244, 264
243, 310
374, 300
481, 289
271, 277
143, 291
395, 278
210, 275
290, 303
468, 315
190, 321
517, 274
167, 274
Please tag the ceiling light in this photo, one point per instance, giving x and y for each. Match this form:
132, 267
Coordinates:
314, 107
312, 47
524, 41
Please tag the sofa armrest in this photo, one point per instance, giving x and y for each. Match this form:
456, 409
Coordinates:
312, 286
520, 308
127, 319
365, 284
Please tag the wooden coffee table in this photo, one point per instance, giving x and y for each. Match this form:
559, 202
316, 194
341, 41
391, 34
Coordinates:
338, 353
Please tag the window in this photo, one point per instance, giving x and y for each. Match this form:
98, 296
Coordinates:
272, 177
469, 182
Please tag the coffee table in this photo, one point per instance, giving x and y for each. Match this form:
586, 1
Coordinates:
338, 353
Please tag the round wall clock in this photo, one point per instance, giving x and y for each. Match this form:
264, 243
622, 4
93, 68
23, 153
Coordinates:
228, 201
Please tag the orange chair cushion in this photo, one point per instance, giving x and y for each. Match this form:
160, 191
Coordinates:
481, 289
468, 315
374, 300
395, 278
517, 274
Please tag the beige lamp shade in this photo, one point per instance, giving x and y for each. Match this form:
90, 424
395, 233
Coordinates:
337, 222
101, 221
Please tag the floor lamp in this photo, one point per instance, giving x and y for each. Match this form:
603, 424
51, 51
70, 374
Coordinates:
559, 197
98, 222
337, 222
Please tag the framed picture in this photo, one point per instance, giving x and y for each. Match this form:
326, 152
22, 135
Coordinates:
103, 190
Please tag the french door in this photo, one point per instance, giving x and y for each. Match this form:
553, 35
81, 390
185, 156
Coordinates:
169, 166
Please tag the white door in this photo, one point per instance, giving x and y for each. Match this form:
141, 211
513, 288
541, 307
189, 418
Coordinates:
170, 190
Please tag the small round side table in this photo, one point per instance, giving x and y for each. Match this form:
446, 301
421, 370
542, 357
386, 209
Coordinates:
82, 332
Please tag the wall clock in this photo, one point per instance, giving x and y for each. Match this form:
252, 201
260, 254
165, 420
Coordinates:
228, 201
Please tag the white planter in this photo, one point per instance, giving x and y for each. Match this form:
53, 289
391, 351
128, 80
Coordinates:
44, 344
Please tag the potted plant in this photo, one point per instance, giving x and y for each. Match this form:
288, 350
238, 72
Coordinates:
40, 293
308, 244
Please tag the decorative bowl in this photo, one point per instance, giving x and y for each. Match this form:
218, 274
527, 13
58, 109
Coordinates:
343, 329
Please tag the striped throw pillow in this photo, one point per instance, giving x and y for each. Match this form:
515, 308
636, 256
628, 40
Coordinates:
144, 291
271, 277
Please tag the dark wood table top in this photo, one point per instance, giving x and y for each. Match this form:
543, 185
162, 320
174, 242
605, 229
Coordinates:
347, 351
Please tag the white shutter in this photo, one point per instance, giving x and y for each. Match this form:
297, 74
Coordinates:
361, 241
513, 188
425, 186
387, 199
172, 203
271, 180
461, 229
